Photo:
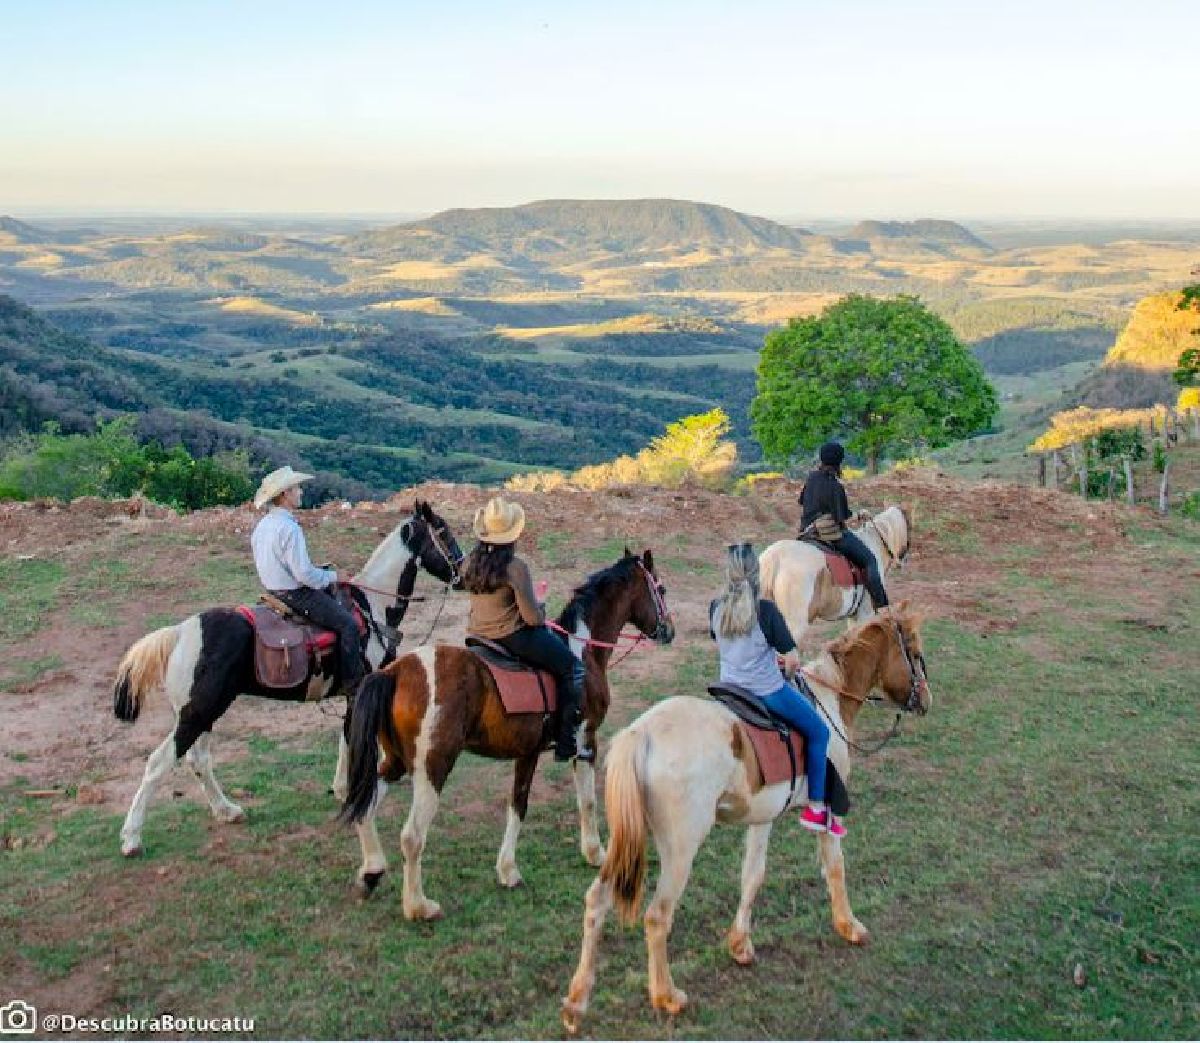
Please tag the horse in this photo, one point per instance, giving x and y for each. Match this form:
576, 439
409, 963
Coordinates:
794, 575
206, 661
685, 765
430, 705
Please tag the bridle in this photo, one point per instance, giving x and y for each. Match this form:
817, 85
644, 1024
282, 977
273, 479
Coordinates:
893, 557
662, 616
918, 683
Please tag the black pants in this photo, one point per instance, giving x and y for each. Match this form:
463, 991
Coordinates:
539, 646
854, 549
323, 610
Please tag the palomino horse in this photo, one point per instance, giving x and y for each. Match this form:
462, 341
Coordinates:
432, 704
793, 573
206, 661
685, 765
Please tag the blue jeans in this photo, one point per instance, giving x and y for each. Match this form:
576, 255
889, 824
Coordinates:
806, 719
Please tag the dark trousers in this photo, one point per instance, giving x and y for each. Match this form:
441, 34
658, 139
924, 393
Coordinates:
854, 549
323, 610
538, 646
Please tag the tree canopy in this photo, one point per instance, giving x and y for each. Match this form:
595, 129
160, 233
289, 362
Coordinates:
1188, 371
885, 375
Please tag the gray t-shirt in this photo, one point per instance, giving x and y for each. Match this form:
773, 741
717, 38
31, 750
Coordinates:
749, 661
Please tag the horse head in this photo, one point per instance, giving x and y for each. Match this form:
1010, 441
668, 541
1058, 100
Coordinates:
648, 610
432, 544
901, 672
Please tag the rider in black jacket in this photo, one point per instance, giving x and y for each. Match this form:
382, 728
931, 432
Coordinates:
825, 512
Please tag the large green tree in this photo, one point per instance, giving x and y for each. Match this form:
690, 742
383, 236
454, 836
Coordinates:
885, 375
1188, 371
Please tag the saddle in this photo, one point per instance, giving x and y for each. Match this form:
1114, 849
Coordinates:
778, 750
287, 648
523, 688
842, 570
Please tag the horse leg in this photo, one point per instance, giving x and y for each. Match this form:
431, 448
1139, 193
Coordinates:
199, 758
412, 841
374, 863
158, 767
833, 868
599, 901
754, 868
341, 775
676, 856
506, 861
585, 797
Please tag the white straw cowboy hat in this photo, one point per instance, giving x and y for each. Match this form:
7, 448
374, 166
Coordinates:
499, 521
277, 482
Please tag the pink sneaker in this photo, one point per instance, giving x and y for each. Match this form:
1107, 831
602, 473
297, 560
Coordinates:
821, 822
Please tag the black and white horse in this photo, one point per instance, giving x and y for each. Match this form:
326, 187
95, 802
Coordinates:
207, 661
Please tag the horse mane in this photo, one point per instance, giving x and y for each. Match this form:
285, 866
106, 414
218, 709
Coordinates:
592, 590
852, 668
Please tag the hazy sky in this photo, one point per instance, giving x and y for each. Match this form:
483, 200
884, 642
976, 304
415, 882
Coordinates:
822, 108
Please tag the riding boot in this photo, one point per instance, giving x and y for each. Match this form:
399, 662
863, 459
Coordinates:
570, 715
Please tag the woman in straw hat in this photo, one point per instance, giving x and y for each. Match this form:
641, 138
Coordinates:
281, 557
505, 608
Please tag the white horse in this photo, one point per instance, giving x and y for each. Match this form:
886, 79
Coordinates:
685, 765
793, 573
206, 661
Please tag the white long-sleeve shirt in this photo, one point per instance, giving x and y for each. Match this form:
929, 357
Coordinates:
281, 555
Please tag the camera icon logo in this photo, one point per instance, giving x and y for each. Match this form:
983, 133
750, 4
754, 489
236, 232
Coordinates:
18, 1018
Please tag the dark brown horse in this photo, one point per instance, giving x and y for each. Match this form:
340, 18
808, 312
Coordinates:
429, 706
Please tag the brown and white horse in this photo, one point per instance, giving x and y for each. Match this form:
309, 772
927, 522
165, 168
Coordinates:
207, 661
793, 573
429, 706
683, 766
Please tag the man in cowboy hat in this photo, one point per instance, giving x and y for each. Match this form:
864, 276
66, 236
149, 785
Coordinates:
281, 557
825, 512
507, 607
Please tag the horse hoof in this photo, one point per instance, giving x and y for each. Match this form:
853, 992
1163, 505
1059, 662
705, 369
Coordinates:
511, 878
366, 883
426, 910
741, 948
594, 856
672, 1003
572, 1016
854, 932
132, 850
232, 813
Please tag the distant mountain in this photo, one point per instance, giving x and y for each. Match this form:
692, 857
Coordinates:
929, 231
22, 232
557, 227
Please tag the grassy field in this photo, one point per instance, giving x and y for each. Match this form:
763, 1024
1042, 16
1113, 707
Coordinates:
1025, 856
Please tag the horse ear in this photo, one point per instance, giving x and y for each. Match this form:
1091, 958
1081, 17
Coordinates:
628, 553
648, 559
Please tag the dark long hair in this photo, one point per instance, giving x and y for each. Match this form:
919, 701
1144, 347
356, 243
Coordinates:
486, 567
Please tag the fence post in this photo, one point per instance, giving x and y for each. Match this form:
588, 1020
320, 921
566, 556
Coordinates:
1083, 472
1042, 470
1128, 480
1055, 461
1164, 488
1196, 423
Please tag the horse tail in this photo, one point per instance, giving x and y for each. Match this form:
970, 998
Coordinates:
370, 722
142, 670
625, 865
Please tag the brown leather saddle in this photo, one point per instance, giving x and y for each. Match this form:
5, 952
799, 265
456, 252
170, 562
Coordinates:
523, 688
842, 570
287, 648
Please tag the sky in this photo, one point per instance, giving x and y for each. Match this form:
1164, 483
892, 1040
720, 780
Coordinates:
787, 108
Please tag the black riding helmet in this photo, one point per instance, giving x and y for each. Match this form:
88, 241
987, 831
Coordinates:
832, 454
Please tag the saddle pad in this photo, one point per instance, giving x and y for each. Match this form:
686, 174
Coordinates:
842, 570
772, 754
521, 690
